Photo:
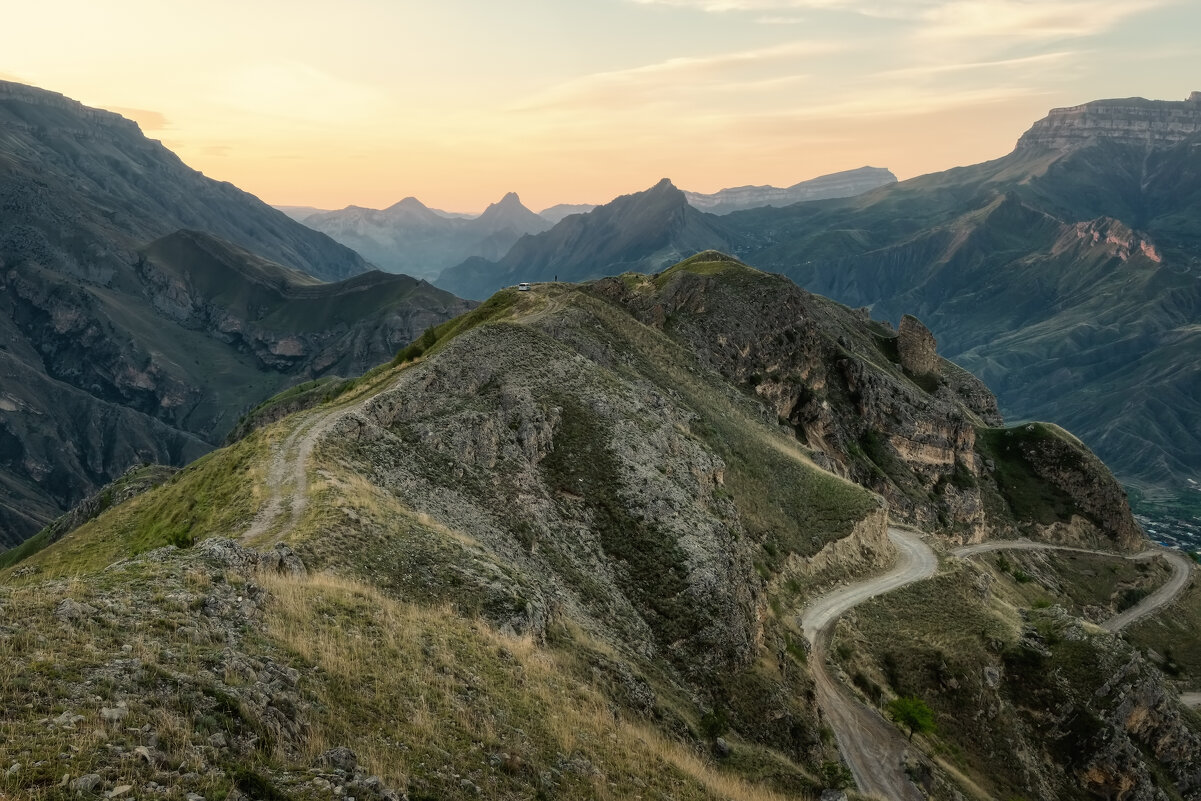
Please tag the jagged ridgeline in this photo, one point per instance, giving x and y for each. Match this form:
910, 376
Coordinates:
556, 549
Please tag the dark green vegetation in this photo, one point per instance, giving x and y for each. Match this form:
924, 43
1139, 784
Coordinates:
144, 307
913, 714
1027, 493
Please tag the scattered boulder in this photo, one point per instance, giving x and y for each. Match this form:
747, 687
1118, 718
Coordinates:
283, 560
87, 784
114, 714
70, 611
341, 758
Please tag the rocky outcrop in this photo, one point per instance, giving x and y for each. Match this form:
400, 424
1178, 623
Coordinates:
1133, 121
882, 408
917, 347
1062, 462
836, 378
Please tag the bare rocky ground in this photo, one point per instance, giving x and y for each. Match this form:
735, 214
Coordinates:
156, 681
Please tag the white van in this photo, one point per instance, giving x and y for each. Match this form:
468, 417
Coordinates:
524, 286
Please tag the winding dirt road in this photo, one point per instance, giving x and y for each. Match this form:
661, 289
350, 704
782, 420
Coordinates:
287, 483
1180, 563
874, 748
287, 478
871, 746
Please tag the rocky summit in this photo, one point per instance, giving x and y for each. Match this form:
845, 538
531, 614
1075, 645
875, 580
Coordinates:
561, 545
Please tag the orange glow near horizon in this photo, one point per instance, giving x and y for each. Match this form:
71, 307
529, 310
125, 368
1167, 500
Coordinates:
371, 101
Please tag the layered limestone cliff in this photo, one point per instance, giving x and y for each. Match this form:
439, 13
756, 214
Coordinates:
1132, 121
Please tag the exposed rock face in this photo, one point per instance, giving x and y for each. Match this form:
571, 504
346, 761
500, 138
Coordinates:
555, 446
1066, 465
906, 430
917, 347
1133, 121
818, 365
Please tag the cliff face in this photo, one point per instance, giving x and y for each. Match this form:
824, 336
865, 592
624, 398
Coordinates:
1133, 121
882, 408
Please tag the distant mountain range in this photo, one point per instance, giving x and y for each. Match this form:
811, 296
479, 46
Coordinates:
840, 184
413, 238
1065, 274
409, 237
144, 307
642, 232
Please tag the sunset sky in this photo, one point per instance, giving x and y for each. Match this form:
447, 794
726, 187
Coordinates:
458, 101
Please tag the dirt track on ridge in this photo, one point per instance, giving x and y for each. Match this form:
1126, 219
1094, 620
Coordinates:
872, 747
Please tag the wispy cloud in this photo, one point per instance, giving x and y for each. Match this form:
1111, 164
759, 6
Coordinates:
1029, 19
673, 79
948, 68
952, 18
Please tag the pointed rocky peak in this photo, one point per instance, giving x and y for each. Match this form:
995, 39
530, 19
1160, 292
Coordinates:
507, 205
665, 187
509, 212
661, 198
410, 208
409, 203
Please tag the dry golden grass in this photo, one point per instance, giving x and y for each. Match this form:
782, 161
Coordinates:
419, 691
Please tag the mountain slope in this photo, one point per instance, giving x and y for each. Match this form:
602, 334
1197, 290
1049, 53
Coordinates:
564, 543
1065, 276
839, 184
144, 307
644, 231
408, 237
158, 364
82, 187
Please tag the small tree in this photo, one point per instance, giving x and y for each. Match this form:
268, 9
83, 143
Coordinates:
913, 714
